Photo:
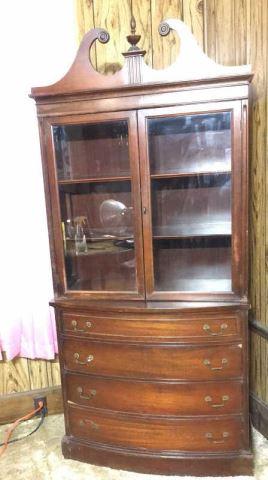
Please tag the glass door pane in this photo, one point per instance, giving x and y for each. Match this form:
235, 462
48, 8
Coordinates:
97, 218
191, 185
96, 150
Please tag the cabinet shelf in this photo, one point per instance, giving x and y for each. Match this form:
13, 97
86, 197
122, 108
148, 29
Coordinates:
185, 230
199, 285
94, 180
190, 174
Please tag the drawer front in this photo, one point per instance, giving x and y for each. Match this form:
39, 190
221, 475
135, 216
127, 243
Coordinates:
153, 327
155, 398
150, 361
198, 435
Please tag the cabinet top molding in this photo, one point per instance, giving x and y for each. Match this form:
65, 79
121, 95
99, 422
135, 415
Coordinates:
192, 64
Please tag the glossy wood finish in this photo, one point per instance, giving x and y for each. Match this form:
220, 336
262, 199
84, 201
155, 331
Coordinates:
238, 200
173, 328
191, 64
166, 464
188, 435
155, 362
99, 290
155, 398
144, 372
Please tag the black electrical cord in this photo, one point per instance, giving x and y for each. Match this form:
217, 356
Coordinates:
41, 421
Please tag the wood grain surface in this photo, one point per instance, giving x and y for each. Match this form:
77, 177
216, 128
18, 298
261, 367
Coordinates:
231, 32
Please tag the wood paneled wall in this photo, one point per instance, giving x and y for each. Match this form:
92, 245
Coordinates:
230, 32
22, 375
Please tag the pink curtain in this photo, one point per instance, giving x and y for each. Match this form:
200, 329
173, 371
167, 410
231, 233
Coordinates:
31, 57
29, 334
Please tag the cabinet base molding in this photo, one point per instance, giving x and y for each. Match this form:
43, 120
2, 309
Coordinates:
184, 464
15, 405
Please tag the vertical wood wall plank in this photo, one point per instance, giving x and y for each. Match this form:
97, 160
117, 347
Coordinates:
165, 49
210, 28
219, 19
55, 373
193, 16
85, 21
255, 360
38, 373
259, 367
143, 17
14, 376
240, 25
114, 16
85, 17
258, 132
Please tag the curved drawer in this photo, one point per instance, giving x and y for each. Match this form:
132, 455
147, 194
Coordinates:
200, 326
155, 398
185, 435
151, 361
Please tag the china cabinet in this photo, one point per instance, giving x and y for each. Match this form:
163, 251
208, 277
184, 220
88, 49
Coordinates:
146, 186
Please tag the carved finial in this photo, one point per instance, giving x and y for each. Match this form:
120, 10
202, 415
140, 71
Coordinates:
134, 54
133, 24
133, 39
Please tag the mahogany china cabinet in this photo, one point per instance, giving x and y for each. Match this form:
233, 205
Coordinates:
146, 186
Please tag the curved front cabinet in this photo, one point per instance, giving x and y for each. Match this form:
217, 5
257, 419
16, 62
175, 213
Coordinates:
153, 361
155, 398
158, 434
146, 328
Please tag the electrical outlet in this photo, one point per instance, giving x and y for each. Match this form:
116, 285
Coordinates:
36, 405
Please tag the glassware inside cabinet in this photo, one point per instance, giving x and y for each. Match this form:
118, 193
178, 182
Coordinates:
95, 191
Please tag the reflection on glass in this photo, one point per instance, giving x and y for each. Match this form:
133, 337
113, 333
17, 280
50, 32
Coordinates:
195, 205
96, 206
190, 166
98, 232
193, 264
91, 150
190, 143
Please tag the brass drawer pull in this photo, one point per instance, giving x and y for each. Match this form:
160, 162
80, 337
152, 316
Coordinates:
92, 424
89, 359
75, 329
209, 436
207, 328
207, 362
225, 398
92, 393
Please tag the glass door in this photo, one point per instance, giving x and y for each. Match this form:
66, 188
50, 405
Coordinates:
188, 184
96, 160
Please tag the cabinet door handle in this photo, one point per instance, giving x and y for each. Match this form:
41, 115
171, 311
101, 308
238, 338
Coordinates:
75, 329
221, 439
207, 328
89, 359
224, 398
144, 210
92, 394
207, 362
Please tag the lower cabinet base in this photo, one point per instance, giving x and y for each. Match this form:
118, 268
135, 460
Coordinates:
184, 464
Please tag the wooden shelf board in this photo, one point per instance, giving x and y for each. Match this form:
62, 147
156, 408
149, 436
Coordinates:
94, 180
189, 174
197, 285
193, 230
